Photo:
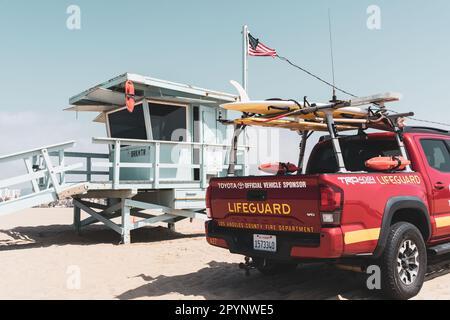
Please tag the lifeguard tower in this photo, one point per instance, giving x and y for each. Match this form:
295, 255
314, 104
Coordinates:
161, 157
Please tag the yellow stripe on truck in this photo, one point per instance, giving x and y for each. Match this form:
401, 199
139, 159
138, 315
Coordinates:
442, 222
362, 235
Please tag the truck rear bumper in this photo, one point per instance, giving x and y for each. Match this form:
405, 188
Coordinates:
331, 246
326, 245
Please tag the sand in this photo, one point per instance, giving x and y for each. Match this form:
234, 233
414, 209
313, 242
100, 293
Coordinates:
41, 257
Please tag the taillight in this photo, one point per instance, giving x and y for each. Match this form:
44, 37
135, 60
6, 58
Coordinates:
331, 200
208, 202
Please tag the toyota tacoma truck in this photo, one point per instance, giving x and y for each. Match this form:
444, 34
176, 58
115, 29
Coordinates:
395, 218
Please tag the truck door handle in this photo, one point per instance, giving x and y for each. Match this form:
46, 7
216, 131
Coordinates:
439, 186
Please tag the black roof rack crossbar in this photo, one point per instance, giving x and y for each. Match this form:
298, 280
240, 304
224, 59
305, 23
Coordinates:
418, 129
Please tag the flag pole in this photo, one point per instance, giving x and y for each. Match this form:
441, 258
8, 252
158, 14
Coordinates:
245, 57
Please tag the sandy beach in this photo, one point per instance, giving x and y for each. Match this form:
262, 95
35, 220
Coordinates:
43, 258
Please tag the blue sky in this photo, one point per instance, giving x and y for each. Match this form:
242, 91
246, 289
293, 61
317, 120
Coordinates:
199, 42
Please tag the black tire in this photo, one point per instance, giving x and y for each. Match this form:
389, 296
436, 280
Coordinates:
271, 267
404, 262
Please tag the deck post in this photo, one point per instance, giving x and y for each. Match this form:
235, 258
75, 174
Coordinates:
116, 165
203, 167
156, 172
126, 223
89, 169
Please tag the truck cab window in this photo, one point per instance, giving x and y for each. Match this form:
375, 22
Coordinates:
355, 152
437, 154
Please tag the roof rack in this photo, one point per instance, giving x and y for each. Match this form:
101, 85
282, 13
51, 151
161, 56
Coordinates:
335, 116
418, 129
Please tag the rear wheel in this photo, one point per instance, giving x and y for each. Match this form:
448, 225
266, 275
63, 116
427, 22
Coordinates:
404, 262
270, 267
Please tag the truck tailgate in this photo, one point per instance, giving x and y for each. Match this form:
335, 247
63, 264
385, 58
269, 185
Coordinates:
275, 203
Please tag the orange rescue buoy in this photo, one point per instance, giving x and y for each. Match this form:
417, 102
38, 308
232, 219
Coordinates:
278, 168
130, 96
387, 163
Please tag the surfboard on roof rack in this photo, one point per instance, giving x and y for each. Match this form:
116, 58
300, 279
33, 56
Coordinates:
334, 116
348, 115
290, 124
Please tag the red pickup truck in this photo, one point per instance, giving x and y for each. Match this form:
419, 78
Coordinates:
392, 219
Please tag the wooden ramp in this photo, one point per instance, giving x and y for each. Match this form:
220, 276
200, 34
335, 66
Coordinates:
46, 176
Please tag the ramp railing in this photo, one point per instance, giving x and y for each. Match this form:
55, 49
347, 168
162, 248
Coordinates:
46, 176
87, 171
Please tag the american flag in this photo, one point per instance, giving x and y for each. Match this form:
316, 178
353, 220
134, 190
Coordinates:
258, 49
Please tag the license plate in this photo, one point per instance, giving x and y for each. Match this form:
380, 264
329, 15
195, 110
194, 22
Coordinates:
262, 242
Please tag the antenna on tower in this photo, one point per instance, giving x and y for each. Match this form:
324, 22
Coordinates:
332, 55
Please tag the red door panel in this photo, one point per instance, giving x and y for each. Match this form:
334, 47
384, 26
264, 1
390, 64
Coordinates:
436, 156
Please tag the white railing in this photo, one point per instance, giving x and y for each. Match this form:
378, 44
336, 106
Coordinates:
87, 159
46, 176
156, 165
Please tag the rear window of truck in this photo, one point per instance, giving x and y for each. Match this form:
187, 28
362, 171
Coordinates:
355, 153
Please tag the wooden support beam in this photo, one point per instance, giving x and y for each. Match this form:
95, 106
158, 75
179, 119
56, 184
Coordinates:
162, 218
98, 216
174, 212
108, 194
77, 219
92, 220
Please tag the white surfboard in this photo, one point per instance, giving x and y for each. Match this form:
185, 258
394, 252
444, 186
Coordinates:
275, 107
358, 106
